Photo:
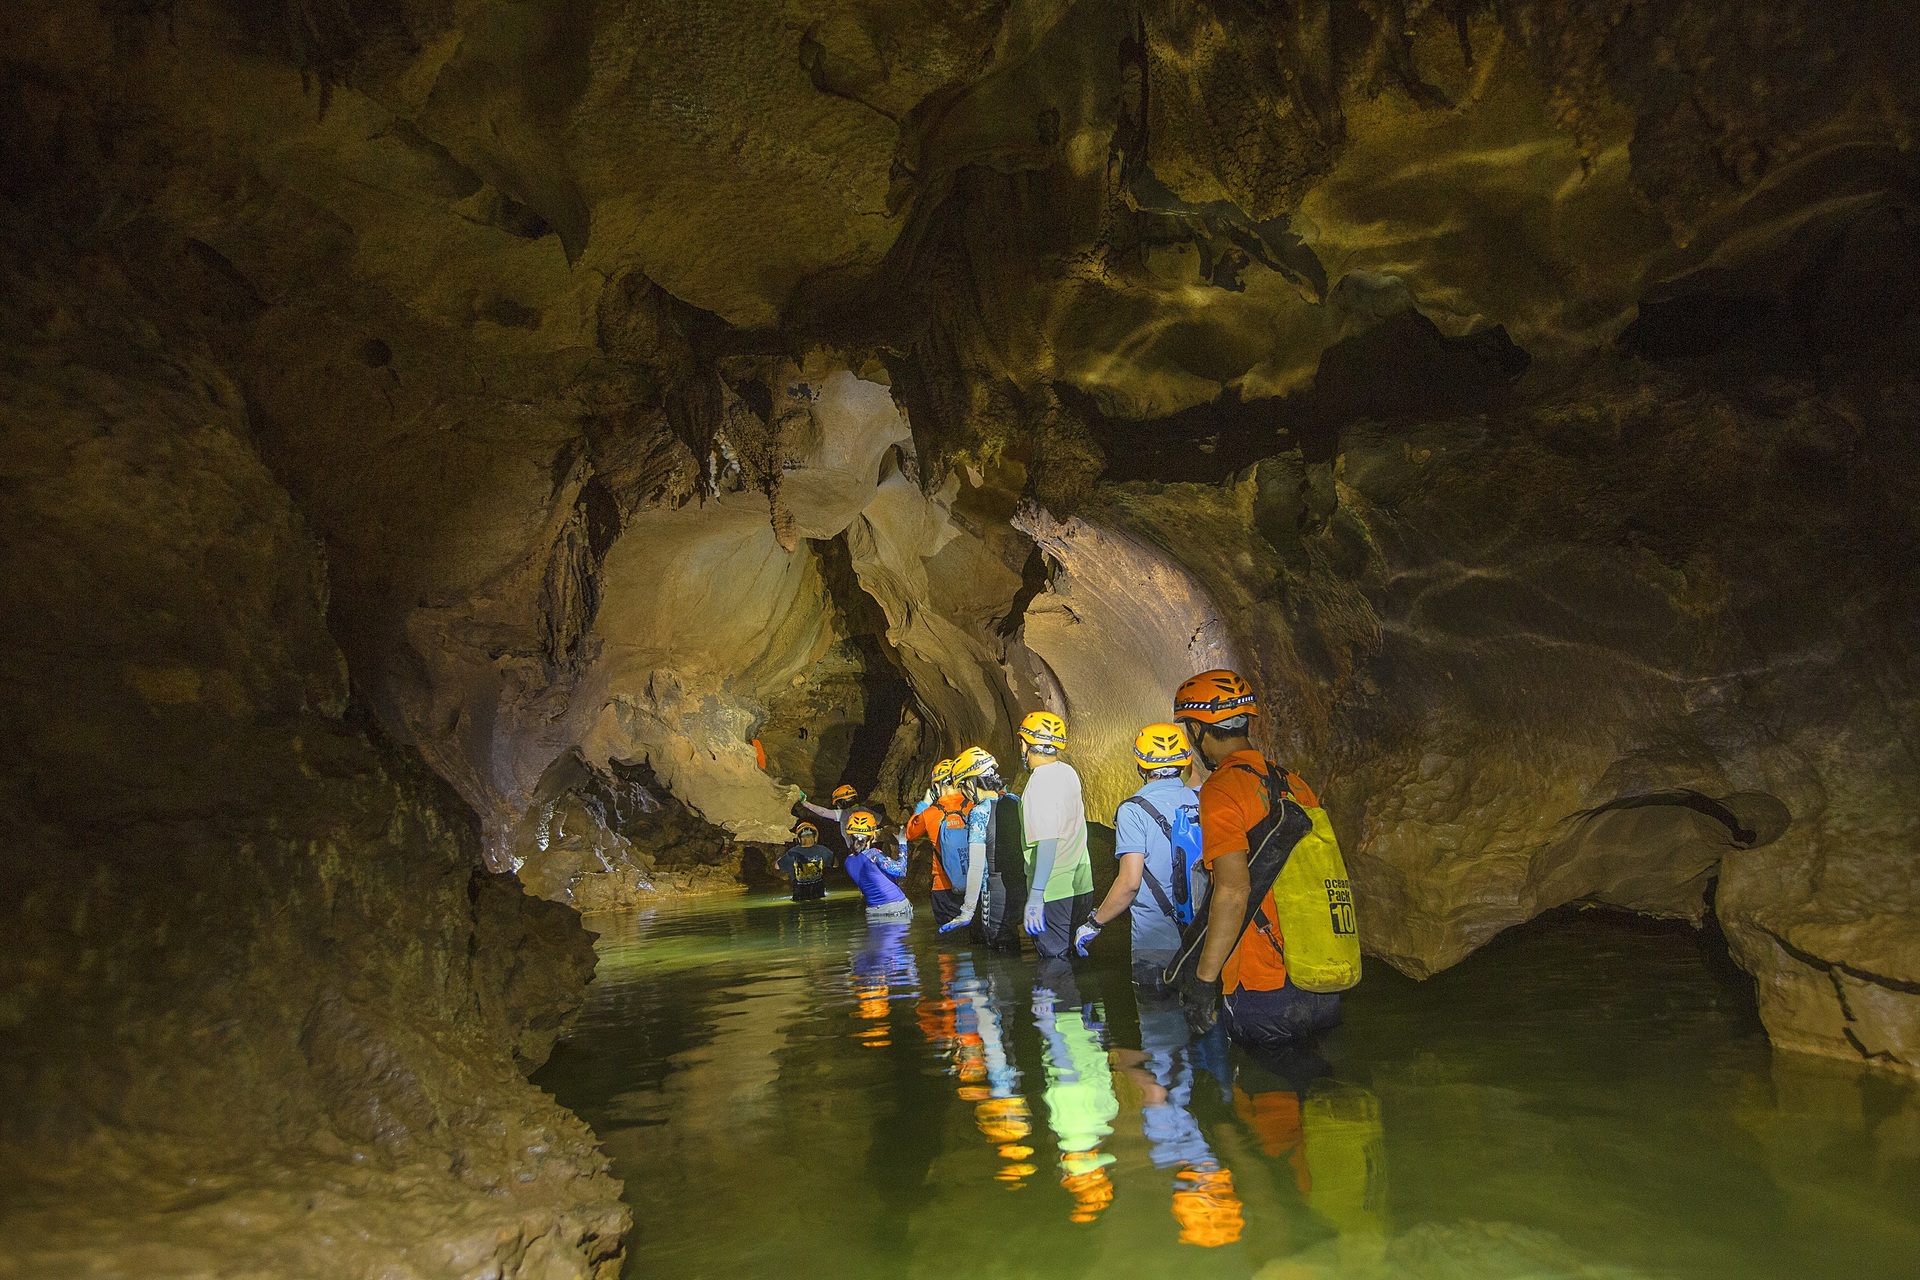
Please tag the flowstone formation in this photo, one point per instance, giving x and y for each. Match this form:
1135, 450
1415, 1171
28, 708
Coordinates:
582, 403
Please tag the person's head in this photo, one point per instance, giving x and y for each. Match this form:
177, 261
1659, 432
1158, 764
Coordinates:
808, 833
1043, 735
1216, 709
1161, 751
976, 771
863, 829
844, 794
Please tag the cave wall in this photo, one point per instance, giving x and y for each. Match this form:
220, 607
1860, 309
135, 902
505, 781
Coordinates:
267, 1011
529, 357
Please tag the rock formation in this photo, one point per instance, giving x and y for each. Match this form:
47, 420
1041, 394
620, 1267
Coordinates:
451, 436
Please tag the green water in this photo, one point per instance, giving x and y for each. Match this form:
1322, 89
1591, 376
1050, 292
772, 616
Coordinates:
788, 1095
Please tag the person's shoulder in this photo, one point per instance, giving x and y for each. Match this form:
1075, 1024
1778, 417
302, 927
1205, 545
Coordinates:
1297, 787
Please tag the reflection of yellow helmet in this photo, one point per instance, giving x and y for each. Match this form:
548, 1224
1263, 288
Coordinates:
1207, 1209
1215, 697
844, 794
1161, 746
863, 823
1092, 1192
974, 762
1003, 1119
1043, 731
943, 772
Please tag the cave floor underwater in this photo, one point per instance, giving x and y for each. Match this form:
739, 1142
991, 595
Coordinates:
787, 1092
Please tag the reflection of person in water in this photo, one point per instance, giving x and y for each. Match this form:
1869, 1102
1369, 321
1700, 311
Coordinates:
988, 1075
1328, 1131
1163, 1068
881, 964
1081, 1104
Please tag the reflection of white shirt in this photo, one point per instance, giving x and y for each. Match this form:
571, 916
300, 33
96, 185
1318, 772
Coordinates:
1052, 808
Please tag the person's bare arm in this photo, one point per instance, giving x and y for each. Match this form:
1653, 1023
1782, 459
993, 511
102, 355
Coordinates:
1231, 888
1126, 887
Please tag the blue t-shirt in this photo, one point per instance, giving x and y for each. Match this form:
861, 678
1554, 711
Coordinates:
1136, 832
869, 873
804, 865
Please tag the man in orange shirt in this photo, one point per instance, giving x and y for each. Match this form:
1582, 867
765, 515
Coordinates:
942, 820
1241, 965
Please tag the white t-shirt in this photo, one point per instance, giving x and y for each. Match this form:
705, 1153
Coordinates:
1052, 808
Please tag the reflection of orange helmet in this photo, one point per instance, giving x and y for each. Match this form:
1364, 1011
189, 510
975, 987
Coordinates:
943, 773
863, 823
1207, 1209
844, 794
1043, 731
1003, 1119
1162, 746
1215, 697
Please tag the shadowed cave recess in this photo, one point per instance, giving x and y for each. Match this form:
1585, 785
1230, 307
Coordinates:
445, 436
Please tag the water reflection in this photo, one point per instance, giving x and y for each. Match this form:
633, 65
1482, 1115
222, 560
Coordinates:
1079, 1096
882, 963
976, 1115
1163, 1069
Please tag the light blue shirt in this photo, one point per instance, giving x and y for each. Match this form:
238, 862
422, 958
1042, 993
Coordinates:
1137, 832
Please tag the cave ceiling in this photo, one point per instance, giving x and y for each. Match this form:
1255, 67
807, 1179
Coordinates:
613, 353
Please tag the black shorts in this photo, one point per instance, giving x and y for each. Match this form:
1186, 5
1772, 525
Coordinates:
810, 892
947, 904
1272, 1019
1055, 942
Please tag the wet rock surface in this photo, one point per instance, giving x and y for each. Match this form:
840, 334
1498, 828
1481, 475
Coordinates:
267, 1012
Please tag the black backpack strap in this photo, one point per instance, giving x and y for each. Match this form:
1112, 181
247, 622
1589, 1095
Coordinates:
1159, 891
1272, 843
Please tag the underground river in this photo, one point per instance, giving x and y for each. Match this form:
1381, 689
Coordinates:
789, 1093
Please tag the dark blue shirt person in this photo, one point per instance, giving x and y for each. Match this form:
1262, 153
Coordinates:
805, 865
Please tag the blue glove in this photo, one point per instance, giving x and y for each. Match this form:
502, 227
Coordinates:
1083, 936
1036, 917
958, 922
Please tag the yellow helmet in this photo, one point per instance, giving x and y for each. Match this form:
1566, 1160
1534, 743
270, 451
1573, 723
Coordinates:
1044, 731
974, 762
863, 823
844, 794
1162, 746
943, 772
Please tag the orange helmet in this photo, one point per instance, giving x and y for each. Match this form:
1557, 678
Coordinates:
1043, 731
943, 773
801, 829
863, 823
1214, 697
1162, 746
844, 794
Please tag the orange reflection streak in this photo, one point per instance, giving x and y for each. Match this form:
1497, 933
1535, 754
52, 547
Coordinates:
1092, 1192
1274, 1118
1205, 1206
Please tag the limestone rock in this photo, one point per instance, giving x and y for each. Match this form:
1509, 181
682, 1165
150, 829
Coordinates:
266, 1013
